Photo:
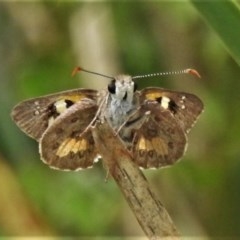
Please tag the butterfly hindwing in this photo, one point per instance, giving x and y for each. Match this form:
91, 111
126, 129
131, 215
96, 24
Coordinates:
64, 145
160, 141
34, 116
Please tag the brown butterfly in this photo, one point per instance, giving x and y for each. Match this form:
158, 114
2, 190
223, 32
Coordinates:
153, 122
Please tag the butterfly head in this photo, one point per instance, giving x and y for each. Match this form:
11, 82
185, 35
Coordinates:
122, 87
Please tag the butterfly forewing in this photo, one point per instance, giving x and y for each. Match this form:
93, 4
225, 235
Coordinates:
184, 107
68, 144
34, 116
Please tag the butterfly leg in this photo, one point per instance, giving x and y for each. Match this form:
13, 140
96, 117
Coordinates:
138, 121
130, 127
94, 119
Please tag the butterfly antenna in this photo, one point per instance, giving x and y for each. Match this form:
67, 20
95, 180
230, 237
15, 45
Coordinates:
185, 71
79, 69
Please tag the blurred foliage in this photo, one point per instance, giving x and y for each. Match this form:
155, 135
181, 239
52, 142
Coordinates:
40, 44
225, 26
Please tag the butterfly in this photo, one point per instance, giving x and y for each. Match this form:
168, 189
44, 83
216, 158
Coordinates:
153, 122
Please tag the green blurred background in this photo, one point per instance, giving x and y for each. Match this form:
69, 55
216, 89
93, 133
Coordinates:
40, 44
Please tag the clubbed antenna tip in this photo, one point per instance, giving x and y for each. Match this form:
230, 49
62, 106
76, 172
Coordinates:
79, 69
193, 72
75, 71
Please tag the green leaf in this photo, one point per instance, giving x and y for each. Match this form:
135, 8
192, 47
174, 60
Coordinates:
224, 18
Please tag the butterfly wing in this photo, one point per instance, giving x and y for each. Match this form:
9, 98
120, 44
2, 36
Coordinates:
184, 107
161, 139
66, 144
35, 115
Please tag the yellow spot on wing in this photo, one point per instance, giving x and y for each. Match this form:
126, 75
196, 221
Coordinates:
156, 144
76, 146
73, 98
160, 146
60, 151
71, 145
153, 96
142, 143
80, 145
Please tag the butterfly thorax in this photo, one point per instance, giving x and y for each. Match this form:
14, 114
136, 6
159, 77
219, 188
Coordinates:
121, 100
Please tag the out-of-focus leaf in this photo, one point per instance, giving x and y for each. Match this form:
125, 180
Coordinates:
224, 18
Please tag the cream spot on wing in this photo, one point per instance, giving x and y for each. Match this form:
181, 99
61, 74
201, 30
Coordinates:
37, 107
96, 159
165, 102
182, 101
61, 106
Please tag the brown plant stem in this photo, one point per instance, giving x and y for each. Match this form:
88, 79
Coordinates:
149, 211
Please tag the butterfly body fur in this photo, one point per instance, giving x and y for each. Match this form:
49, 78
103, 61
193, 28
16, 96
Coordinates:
153, 123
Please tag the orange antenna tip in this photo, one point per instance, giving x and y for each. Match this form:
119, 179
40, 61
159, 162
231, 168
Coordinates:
79, 69
193, 72
75, 71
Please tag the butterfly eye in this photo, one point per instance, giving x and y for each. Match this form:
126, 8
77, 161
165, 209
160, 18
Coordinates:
112, 87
